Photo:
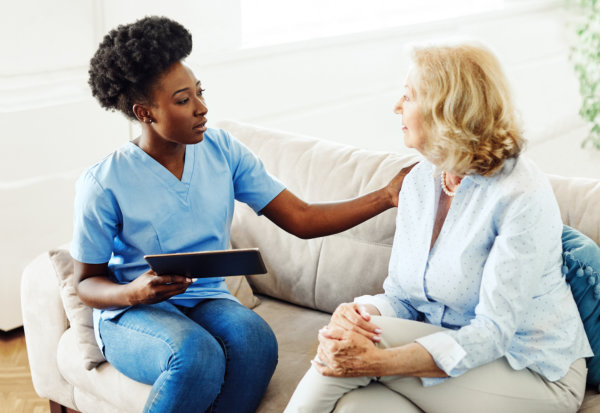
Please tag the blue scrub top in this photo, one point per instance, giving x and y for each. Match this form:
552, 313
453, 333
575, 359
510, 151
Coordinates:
128, 205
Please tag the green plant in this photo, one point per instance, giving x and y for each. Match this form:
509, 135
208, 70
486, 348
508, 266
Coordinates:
586, 57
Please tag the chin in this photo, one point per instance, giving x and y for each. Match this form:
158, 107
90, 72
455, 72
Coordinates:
198, 138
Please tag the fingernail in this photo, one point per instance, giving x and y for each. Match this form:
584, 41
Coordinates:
376, 338
378, 331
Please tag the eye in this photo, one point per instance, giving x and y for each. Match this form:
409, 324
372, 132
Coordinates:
200, 92
182, 101
405, 98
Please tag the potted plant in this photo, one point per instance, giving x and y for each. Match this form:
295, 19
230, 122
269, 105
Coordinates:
586, 58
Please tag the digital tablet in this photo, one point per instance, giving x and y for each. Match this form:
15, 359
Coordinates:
205, 264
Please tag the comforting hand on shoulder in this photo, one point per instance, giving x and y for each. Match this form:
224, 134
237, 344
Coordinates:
395, 184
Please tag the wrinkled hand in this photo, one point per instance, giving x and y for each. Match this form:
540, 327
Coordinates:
356, 318
395, 184
151, 288
344, 353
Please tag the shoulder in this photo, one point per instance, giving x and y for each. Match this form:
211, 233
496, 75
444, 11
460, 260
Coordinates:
107, 171
220, 143
217, 138
523, 193
522, 173
424, 170
420, 176
518, 177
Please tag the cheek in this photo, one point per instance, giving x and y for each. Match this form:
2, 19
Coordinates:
177, 118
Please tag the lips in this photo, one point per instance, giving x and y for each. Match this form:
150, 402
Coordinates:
200, 127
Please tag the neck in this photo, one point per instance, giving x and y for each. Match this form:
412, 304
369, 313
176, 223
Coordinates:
163, 151
453, 180
450, 183
171, 155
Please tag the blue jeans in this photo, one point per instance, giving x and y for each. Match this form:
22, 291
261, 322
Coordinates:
216, 357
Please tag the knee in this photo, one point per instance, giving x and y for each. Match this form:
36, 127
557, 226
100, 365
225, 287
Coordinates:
257, 339
199, 357
267, 340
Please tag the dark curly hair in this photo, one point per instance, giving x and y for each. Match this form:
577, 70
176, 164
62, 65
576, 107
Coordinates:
131, 57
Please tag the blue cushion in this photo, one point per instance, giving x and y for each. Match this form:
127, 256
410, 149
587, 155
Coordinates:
581, 266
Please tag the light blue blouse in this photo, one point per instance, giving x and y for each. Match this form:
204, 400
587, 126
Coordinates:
128, 205
493, 275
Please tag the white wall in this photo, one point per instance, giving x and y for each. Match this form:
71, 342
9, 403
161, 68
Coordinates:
340, 88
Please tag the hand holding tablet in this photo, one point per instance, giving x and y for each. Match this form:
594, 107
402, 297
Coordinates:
206, 264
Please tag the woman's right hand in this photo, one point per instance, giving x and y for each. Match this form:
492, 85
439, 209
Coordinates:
357, 318
151, 288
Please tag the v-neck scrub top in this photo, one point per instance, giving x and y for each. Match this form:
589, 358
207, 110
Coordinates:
129, 205
493, 276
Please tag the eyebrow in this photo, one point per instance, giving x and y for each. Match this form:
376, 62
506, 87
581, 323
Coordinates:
184, 89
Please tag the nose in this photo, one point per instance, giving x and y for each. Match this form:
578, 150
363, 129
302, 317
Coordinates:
201, 109
398, 107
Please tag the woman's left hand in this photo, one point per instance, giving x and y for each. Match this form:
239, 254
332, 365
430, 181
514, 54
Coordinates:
395, 184
344, 353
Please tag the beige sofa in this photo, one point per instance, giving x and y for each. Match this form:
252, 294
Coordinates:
306, 279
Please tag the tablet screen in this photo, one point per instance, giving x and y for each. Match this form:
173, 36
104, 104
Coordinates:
208, 263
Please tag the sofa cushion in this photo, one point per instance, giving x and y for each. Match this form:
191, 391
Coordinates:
316, 273
112, 391
581, 267
296, 329
80, 315
105, 382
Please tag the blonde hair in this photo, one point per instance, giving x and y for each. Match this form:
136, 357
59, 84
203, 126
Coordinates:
468, 113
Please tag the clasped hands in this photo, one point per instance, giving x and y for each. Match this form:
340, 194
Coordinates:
347, 344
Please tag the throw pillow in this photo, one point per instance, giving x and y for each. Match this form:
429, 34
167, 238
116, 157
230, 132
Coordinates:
239, 287
80, 315
581, 267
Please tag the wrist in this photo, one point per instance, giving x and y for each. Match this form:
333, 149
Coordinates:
130, 295
389, 196
379, 362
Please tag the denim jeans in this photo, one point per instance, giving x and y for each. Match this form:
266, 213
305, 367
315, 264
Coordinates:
216, 357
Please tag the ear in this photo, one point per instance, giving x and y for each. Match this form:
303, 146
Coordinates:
142, 113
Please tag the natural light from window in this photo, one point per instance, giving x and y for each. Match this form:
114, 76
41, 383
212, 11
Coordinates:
267, 22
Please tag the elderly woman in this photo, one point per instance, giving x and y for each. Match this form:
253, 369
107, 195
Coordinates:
476, 315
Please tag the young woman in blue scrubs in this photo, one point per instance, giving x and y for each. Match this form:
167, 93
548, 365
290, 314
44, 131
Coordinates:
172, 190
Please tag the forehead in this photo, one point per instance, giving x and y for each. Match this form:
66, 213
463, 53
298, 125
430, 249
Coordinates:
176, 77
410, 81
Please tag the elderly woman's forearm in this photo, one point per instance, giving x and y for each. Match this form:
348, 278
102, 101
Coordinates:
408, 360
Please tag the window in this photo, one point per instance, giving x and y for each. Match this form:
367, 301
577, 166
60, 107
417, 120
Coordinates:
267, 22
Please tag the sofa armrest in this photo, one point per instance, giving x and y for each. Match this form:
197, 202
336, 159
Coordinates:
44, 322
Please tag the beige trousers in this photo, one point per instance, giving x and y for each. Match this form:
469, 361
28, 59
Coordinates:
491, 388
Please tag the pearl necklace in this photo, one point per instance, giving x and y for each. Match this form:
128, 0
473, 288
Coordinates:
445, 188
